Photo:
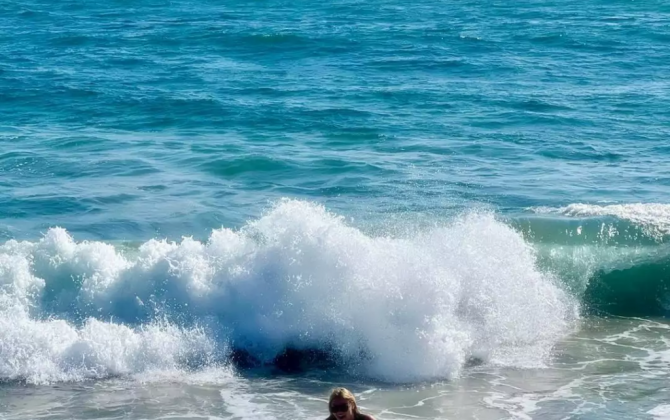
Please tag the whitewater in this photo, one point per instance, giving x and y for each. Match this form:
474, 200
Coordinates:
270, 315
395, 309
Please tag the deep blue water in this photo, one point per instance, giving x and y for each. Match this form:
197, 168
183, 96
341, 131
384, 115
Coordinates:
129, 120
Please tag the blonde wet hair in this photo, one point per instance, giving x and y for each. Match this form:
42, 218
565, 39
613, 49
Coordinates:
345, 394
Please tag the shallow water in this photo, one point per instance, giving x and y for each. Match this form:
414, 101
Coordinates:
611, 368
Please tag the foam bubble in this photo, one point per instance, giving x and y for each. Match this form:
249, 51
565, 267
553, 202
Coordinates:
398, 309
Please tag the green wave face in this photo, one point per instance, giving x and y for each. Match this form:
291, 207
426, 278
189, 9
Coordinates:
613, 265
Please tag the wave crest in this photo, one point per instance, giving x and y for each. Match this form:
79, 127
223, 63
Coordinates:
397, 309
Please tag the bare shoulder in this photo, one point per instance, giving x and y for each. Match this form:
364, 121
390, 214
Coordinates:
366, 417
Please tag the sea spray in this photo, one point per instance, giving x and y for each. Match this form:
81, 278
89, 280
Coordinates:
397, 309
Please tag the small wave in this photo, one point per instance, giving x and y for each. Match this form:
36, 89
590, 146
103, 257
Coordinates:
654, 216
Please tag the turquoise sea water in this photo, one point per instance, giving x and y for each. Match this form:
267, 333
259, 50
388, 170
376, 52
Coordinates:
458, 209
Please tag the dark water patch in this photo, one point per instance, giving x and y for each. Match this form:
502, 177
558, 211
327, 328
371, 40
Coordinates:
40, 206
497, 120
348, 139
293, 360
31, 165
580, 154
263, 91
329, 167
79, 144
32, 14
338, 114
592, 42
77, 92
130, 62
640, 290
293, 44
290, 360
276, 39
535, 105
152, 188
119, 167
247, 165
160, 113
419, 64
112, 199
73, 40
211, 149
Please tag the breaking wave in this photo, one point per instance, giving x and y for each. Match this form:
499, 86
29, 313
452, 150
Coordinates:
398, 309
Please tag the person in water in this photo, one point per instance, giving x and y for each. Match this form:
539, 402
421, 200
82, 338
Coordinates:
342, 406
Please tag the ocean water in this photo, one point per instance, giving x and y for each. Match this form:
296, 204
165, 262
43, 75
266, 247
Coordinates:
221, 210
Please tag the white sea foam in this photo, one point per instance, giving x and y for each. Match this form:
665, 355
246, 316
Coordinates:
398, 309
654, 216
661, 412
